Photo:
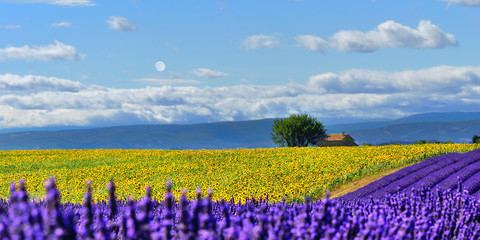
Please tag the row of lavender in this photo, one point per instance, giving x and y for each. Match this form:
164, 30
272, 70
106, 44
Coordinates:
442, 172
409, 213
422, 214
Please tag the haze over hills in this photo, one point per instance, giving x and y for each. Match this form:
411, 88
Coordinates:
453, 126
241, 134
411, 132
417, 118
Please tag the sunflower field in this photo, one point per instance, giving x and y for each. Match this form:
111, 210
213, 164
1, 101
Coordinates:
280, 173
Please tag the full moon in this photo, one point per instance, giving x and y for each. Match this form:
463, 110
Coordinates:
160, 66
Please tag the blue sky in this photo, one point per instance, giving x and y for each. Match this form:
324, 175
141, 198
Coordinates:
92, 62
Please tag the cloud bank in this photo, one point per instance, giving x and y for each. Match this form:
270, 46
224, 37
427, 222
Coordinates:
434, 81
167, 81
35, 101
389, 34
32, 83
52, 52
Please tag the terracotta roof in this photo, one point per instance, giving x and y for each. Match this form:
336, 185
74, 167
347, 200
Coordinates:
335, 137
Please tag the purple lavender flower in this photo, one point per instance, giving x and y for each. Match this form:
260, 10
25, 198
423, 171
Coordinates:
167, 222
412, 211
86, 227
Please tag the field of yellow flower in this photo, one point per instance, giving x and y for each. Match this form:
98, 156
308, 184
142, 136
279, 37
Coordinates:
292, 173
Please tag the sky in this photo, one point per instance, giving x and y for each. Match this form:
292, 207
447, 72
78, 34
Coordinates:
124, 62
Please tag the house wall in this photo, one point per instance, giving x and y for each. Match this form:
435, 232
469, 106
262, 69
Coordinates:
346, 142
330, 143
349, 143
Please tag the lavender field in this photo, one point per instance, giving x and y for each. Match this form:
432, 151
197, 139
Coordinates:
434, 199
442, 172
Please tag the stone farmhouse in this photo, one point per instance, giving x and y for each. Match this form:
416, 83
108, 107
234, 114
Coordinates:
341, 139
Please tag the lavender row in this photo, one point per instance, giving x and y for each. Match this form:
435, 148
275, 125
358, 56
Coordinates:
437, 176
422, 214
462, 175
446, 168
405, 173
395, 176
414, 177
476, 195
472, 184
420, 177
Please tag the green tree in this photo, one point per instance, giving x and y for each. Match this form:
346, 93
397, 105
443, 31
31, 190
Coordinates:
476, 139
299, 130
421, 142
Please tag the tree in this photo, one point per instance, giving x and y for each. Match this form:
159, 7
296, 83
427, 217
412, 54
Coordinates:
421, 142
476, 139
299, 130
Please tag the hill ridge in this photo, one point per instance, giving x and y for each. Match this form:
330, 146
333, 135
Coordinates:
240, 134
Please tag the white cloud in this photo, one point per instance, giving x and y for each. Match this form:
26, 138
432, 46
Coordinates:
32, 83
167, 81
312, 43
352, 93
52, 52
173, 78
468, 3
62, 24
392, 34
260, 41
389, 34
208, 73
70, 3
10, 26
435, 80
120, 23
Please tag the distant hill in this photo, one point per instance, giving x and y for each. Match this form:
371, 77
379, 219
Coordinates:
411, 132
456, 127
417, 118
240, 134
